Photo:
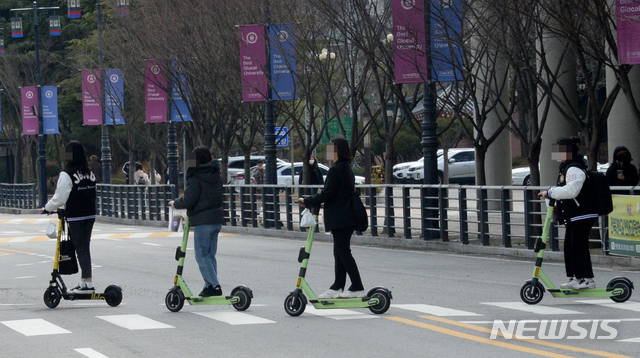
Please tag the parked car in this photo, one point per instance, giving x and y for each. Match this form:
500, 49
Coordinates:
522, 176
236, 165
400, 170
284, 173
462, 167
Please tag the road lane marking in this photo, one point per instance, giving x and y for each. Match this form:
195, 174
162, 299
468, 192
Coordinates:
434, 310
630, 340
629, 305
234, 318
23, 277
537, 309
339, 313
90, 353
535, 341
134, 322
34, 327
471, 337
149, 244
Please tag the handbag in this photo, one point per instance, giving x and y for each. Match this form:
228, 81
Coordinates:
176, 219
359, 213
67, 262
307, 220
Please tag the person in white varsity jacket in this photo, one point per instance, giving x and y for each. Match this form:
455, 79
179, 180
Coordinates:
76, 191
576, 209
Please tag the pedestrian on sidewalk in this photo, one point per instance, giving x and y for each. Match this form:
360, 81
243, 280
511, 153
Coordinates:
76, 191
339, 219
203, 200
96, 168
576, 208
621, 172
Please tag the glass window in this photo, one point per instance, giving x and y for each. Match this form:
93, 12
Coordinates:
324, 171
286, 171
238, 164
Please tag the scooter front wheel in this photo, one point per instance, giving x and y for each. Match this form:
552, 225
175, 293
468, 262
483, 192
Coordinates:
294, 305
113, 295
174, 300
52, 297
245, 298
531, 294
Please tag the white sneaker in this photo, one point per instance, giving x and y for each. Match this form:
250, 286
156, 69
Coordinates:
82, 289
585, 283
330, 294
569, 284
353, 294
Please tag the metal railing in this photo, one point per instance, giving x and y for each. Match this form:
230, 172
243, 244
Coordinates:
137, 202
506, 216
20, 196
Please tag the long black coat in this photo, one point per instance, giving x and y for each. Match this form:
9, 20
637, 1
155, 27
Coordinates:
336, 196
315, 176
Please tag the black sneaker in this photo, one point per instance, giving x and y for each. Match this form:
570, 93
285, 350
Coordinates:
210, 291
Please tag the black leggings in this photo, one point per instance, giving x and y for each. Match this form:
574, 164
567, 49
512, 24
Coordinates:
345, 263
577, 259
80, 234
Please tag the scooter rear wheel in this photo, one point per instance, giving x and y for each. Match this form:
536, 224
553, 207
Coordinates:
174, 300
384, 301
52, 297
294, 305
113, 295
625, 295
244, 296
531, 294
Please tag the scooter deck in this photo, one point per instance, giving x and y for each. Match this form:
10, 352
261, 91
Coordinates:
83, 296
213, 300
334, 303
589, 292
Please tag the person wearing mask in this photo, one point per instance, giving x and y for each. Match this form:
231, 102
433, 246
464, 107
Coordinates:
203, 200
76, 191
576, 209
96, 168
339, 219
260, 174
315, 174
621, 172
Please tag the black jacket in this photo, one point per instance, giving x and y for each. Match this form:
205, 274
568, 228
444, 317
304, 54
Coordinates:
315, 176
203, 197
582, 206
336, 196
628, 170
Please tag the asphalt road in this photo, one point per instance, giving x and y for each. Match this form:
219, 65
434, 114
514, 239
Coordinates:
444, 305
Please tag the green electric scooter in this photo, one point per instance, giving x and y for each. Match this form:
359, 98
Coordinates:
240, 296
618, 289
377, 300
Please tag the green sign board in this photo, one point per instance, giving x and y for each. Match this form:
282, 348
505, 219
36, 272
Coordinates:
333, 127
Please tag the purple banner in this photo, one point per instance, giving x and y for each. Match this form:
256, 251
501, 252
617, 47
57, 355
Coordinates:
409, 41
91, 98
29, 117
155, 93
628, 23
253, 58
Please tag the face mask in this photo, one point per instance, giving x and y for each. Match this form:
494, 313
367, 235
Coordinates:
311, 161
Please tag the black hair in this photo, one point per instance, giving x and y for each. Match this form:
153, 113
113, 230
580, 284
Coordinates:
138, 166
260, 161
202, 155
75, 157
342, 147
573, 142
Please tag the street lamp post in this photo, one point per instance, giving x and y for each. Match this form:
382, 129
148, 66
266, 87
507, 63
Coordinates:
42, 158
324, 56
106, 149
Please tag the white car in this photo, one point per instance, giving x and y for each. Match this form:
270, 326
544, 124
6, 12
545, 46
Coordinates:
284, 174
522, 176
401, 170
236, 165
462, 167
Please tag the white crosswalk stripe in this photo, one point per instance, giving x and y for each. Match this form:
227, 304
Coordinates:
537, 309
234, 318
34, 327
435, 310
339, 314
134, 322
630, 306
90, 353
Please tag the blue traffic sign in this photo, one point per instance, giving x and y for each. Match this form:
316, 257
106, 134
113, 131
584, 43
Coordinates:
282, 136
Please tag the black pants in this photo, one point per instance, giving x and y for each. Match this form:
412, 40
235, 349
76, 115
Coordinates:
345, 263
80, 234
577, 259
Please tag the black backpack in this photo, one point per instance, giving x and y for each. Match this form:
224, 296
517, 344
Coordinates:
601, 192
142, 181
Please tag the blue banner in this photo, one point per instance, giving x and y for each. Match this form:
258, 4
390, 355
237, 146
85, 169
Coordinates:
180, 106
282, 62
114, 97
446, 28
50, 109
